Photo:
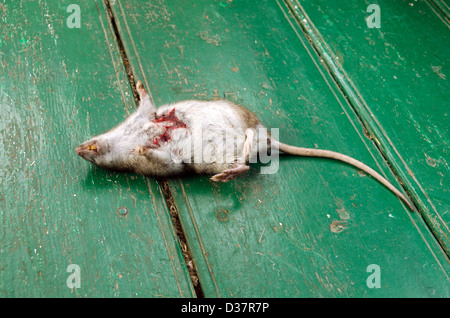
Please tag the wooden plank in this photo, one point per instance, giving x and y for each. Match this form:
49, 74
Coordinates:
60, 86
400, 92
315, 227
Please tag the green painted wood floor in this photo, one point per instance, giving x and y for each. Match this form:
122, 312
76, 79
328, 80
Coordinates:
314, 69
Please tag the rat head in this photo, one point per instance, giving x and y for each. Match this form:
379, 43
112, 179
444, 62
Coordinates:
114, 150
100, 151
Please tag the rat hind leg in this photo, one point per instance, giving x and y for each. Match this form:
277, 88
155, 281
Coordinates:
225, 174
230, 174
249, 136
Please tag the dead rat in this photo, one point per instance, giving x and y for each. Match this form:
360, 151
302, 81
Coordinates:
217, 138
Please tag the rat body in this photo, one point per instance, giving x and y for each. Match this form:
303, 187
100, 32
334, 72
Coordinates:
216, 138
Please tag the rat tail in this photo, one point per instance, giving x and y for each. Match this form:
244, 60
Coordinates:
311, 152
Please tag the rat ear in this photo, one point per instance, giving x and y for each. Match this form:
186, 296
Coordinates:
146, 107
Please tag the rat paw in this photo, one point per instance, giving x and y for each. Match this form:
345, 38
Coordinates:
247, 150
221, 177
140, 150
230, 174
141, 90
248, 144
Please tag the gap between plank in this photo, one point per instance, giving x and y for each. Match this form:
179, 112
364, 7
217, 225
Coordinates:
345, 86
353, 98
173, 209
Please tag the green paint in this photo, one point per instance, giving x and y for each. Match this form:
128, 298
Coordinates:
56, 209
399, 92
279, 235
316, 228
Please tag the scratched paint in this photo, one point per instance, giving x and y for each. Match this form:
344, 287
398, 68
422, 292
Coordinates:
404, 100
55, 209
274, 239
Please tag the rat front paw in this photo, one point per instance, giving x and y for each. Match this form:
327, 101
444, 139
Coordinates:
140, 150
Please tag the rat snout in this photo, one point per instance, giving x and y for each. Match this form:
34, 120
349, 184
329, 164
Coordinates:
87, 150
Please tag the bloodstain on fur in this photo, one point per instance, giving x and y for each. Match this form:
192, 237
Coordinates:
170, 122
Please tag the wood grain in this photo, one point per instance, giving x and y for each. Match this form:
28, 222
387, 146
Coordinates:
314, 227
60, 86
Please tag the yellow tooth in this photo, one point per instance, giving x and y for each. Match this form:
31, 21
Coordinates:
94, 147
88, 147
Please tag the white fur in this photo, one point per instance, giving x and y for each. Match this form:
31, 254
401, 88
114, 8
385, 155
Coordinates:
212, 141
